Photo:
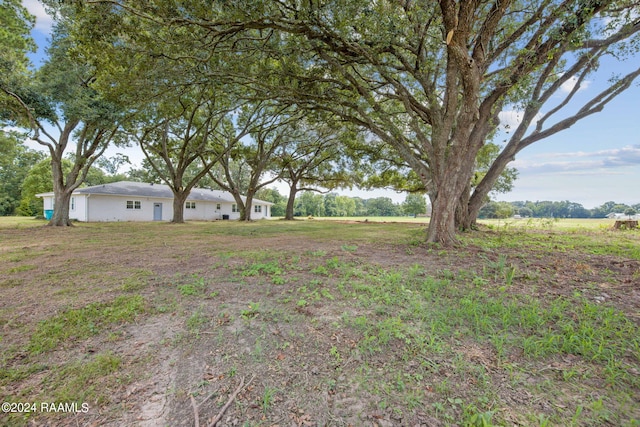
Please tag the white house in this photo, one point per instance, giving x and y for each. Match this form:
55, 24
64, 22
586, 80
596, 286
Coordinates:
136, 201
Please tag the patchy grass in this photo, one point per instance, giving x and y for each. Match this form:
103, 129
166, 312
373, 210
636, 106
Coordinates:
84, 322
341, 323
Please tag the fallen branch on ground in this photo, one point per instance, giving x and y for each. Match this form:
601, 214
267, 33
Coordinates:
215, 421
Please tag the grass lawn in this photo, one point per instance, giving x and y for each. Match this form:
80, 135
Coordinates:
319, 322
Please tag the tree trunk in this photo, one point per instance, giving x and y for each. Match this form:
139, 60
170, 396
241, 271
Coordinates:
179, 198
60, 216
442, 225
248, 206
464, 221
451, 187
61, 195
291, 202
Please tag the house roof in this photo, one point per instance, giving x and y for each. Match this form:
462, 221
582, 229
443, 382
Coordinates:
141, 189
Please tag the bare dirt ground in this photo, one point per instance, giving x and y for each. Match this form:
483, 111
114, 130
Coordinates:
264, 315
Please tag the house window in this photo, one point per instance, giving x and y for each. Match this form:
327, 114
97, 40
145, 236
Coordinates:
134, 204
218, 206
191, 205
234, 208
257, 208
73, 203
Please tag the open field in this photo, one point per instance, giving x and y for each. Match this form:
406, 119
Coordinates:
526, 223
522, 223
328, 323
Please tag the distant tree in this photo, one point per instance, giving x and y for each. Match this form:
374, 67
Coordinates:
414, 204
630, 212
382, 206
576, 210
330, 207
273, 195
361, 206
111, 165
144, 174
16, 160
496, 210
525, 212
316, 158
345, 206
603, 210
310, 204
620, 207
38, 179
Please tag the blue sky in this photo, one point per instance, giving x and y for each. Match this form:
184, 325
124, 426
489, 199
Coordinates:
595, 161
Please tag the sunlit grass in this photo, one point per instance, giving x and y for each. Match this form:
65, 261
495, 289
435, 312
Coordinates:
20, 222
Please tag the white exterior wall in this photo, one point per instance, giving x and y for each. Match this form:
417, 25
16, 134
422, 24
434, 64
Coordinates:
265, 211
204, 211
78, 207
114, 208
47, 201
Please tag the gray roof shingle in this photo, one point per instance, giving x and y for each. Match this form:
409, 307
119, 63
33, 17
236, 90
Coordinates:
141, 189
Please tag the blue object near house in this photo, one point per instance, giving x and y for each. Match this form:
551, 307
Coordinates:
48, 213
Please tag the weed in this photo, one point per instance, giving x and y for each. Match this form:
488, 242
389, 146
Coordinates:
233, 371
196, 321
252, 311
194, 288
321, 269
335, 353
349, 248
268, 268
277, 279
267, 398
472, 418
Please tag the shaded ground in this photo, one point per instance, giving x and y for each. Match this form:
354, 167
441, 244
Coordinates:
332, 324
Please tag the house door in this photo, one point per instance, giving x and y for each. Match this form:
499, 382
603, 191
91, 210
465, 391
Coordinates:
157, 211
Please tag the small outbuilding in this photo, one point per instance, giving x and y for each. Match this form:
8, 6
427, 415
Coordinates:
136, 201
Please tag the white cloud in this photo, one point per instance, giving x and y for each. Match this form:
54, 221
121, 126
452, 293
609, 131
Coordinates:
44, 22
572, 82
599, 162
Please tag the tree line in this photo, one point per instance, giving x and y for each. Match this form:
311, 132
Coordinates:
549, 209
321, 95
311, 204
